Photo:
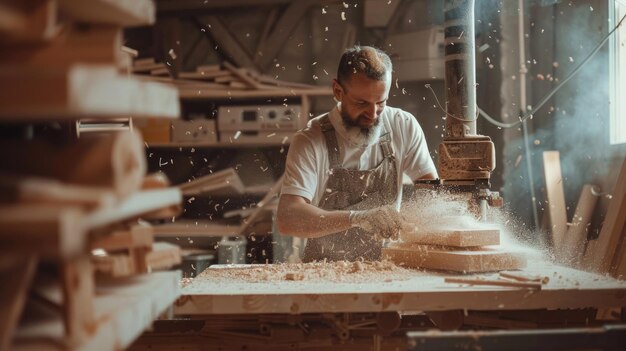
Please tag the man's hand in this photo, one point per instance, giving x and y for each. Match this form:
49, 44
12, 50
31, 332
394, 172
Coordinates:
384, 222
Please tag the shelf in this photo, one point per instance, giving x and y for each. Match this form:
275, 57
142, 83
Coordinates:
123, 309
79, 91
191, 93
225, 145
55, 230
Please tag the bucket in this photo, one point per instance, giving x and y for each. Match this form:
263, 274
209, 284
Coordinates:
196, 263
232, 250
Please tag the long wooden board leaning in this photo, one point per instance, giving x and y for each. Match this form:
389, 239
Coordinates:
483, 259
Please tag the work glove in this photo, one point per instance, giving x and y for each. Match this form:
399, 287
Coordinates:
384, 222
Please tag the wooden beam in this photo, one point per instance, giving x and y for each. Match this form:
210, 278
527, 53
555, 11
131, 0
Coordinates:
39, 93
576, 236
16, 275
226, 42
114, 163
51, 230
555, 198
93, 45
123, 309
284, 28
601, 253
117, 12
487, 259
77, 284
136, 236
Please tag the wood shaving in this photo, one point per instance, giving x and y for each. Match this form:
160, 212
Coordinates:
339, 271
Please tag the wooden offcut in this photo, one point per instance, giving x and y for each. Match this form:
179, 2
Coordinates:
576, 235
454, 237
555, 198
602, 255
485, 259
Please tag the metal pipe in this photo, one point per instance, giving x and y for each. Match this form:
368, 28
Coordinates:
460, 76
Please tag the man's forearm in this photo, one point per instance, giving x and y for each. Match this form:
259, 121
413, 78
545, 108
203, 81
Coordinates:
307, 221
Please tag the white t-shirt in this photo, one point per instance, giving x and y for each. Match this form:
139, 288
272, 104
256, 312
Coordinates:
307, 167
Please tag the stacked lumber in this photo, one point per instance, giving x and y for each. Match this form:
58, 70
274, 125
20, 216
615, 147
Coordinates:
64, 195
568, 238
53, 69
464, 250
607, 253
216, 77
131, 252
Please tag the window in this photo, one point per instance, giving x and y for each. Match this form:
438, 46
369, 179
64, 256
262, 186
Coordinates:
617, 64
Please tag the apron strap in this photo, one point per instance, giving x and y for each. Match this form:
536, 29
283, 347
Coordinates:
331, 141
385, 145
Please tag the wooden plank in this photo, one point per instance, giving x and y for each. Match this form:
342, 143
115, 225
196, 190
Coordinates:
454, 237
134, 206
163, 256
40, 93
16, 275
28, 21
77, 285
50, 230
116, 12
241, 75
114, 265
47, 191
113, 162
576, 237
123, 311
93, 45
136, 236
555, 198
419, 291
601, 255
486, 259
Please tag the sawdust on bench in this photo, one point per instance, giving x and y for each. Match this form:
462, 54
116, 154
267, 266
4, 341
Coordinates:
340, 271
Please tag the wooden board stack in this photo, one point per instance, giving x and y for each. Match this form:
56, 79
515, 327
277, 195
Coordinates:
454, 249
63, 198
224, 77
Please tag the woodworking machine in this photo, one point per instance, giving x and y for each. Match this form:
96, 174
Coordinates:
466, 159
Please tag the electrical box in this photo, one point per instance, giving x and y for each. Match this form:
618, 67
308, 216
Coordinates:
262, 124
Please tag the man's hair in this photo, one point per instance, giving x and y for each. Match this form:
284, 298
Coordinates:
372, 62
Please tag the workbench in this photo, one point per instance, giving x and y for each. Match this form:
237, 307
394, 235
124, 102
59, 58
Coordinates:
419, 310
424, 291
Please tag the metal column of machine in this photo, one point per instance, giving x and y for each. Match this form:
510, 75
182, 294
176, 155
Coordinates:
466, 159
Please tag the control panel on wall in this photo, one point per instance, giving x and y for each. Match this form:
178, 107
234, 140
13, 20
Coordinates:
258, 123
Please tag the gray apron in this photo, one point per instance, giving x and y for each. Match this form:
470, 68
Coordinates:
348, 189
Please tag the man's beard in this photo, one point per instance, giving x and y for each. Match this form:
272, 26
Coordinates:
366, 134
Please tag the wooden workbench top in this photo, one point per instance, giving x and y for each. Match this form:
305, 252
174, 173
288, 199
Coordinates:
413, 290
